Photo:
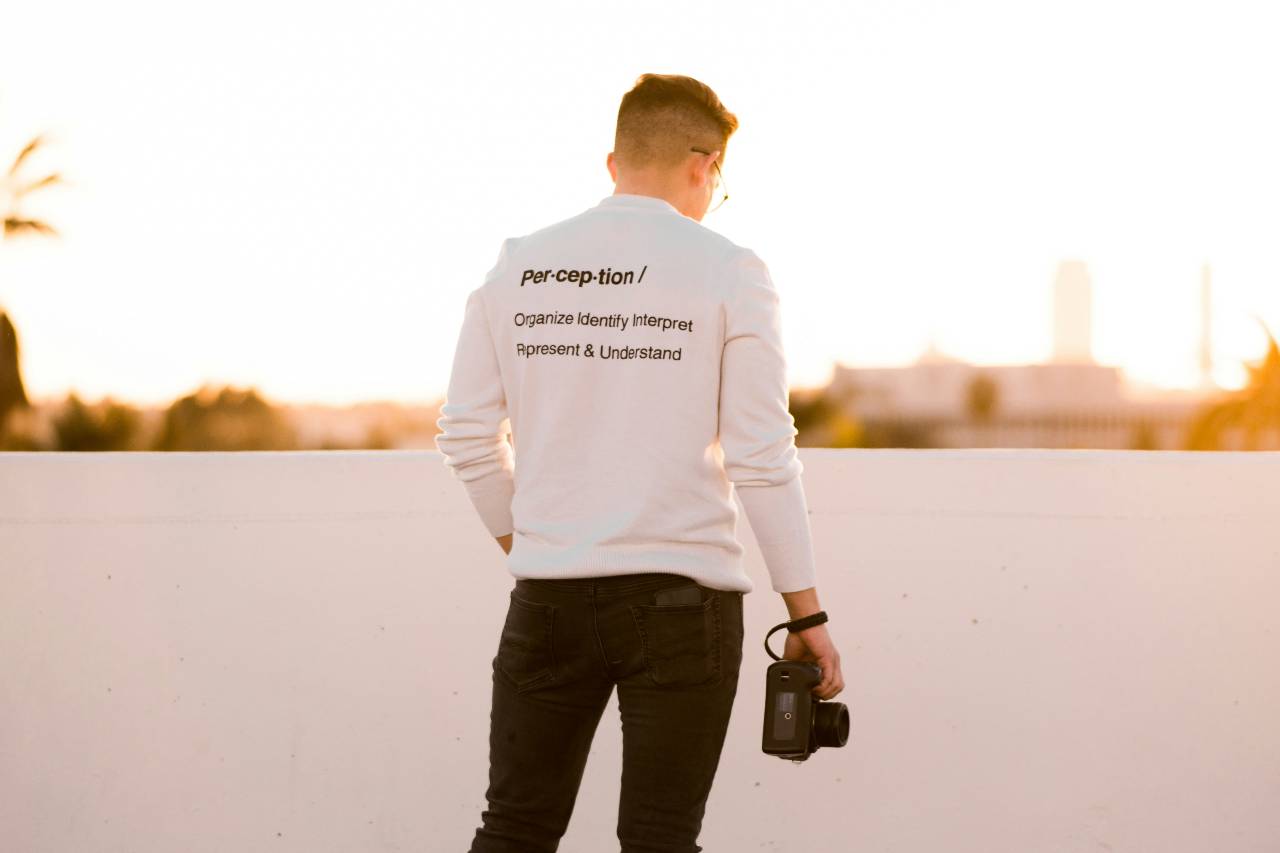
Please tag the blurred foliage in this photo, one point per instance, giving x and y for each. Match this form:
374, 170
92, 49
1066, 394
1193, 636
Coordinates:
823, 418
1143, 437
18, 430
904, 433
1253, 411
107, 425
846, 431
228, 419
981, 396
811, 409
378, 437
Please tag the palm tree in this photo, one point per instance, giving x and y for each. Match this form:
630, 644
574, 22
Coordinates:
1255, 408
13, 189
17, 187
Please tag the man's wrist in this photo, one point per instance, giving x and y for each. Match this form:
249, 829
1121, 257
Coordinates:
802, 602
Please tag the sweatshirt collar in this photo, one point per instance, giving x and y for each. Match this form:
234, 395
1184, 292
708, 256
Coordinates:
641, 201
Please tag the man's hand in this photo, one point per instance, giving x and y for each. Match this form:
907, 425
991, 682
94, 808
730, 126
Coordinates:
814, 644
505, 542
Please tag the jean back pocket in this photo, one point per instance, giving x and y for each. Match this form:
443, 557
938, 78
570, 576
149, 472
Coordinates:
526, 650
680, 643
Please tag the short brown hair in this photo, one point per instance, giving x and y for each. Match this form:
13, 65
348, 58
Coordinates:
663, 116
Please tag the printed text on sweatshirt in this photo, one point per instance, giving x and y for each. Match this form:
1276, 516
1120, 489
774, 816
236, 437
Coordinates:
636, 358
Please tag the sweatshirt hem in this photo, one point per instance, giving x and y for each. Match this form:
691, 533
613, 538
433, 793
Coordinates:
711, 566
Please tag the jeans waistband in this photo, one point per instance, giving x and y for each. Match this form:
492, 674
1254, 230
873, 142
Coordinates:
608, 585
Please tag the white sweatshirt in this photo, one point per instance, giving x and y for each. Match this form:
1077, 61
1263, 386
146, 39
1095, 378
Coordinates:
636, 358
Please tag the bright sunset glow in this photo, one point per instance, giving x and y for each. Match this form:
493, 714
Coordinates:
298, 197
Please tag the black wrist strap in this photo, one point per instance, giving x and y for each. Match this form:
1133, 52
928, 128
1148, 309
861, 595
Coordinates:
806, 621
794, 625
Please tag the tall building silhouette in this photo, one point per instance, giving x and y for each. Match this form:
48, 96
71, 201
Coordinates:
1072, 313
1206, 326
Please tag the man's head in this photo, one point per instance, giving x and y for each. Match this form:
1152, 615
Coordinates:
660, 120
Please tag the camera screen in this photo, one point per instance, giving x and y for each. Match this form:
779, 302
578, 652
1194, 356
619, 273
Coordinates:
784, 716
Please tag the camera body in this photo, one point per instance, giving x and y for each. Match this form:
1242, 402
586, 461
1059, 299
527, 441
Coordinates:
797, 723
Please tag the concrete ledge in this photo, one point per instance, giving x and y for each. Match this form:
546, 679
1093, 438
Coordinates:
1045, 650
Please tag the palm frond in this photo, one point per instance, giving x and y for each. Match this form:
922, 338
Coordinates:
24, 154
1264, 371
15, 226
46, 181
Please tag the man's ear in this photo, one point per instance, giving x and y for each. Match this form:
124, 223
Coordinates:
608, 164
710, 160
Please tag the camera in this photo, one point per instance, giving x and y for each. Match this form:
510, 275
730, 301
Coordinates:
797, 723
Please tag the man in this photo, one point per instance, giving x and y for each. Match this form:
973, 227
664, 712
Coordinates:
636, 356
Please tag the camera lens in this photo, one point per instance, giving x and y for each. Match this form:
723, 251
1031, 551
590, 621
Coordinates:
831, 723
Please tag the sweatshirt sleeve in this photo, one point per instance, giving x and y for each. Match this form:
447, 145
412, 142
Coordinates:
474, 423
757, 431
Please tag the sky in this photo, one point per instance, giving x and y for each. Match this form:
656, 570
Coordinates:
298, 197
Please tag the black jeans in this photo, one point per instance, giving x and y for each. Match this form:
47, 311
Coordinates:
564, 646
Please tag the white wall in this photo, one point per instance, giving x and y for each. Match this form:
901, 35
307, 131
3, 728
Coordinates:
1044, 651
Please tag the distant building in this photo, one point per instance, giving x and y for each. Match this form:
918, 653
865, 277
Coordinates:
935, 387
1072, 313
1070, 401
